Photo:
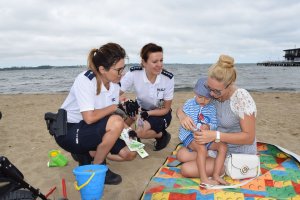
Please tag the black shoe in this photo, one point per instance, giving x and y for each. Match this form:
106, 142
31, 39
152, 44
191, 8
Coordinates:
82, 159
163, 141
112, 178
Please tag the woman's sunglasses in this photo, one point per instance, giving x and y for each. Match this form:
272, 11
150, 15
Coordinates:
217, 92
119, 70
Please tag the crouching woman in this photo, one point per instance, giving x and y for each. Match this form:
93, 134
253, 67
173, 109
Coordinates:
93, 128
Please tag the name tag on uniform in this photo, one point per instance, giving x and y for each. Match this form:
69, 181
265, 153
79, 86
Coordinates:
160, 93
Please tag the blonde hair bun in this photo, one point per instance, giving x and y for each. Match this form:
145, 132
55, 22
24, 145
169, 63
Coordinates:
225, 61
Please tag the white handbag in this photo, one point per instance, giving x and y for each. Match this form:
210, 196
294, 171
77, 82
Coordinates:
240, 166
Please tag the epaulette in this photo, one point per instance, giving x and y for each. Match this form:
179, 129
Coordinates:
89, 74
167, 74
134, 68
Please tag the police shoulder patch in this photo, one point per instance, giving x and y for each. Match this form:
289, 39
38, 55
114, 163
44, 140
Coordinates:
134, 68
167, 74
89, 74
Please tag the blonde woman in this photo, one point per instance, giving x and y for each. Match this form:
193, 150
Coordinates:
236, 113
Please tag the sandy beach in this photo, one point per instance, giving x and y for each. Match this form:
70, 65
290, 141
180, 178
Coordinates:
26, 142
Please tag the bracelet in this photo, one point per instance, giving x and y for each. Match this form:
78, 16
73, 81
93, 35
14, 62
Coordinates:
218, 136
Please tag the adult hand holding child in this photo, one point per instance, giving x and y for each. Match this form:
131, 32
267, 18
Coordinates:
204, 136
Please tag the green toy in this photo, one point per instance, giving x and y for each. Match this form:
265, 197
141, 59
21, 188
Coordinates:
56, 159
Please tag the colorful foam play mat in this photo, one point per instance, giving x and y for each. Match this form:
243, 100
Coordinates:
279, 179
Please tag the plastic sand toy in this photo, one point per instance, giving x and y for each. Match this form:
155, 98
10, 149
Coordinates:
56, 159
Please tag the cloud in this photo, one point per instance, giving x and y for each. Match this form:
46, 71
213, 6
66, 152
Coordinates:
40, 32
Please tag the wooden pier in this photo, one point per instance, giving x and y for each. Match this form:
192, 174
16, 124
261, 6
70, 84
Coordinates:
279, 64
292, 59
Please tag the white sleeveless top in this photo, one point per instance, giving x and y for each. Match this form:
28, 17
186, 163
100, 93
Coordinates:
229, 114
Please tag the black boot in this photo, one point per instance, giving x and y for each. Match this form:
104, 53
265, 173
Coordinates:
111, 178
162, 142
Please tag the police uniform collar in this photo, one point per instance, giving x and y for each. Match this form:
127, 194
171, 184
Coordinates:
146, 80
104, 89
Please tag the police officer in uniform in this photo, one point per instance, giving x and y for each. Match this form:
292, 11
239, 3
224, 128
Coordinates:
93, 129
154, 88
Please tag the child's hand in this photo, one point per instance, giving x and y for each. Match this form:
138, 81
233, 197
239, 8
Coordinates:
187, 123
204, 127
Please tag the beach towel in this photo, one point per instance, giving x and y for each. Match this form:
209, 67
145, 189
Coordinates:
279, 179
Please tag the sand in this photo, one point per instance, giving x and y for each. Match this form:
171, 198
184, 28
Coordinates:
25, 141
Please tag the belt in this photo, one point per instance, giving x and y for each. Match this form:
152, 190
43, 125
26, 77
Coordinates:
70, 125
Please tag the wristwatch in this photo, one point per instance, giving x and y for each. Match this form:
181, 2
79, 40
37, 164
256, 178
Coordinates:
218, 137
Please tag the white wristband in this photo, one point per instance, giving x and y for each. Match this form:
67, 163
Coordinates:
218, 136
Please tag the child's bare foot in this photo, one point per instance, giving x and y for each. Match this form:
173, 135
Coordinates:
220, 180
209, 182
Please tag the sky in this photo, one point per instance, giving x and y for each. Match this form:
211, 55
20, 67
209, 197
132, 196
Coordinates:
62, 32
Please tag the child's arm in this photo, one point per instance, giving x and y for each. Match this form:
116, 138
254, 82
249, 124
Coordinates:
213, 124
187, 107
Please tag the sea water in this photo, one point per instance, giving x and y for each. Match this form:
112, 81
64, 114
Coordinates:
60, 79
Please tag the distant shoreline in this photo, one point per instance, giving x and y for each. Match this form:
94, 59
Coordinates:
39, 67
84, 66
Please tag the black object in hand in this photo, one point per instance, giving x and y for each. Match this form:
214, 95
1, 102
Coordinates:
132, 107
144, 115
132, 134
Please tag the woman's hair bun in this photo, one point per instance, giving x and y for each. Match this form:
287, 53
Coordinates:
226, 61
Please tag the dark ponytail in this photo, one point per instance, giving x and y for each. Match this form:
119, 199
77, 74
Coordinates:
106, 56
